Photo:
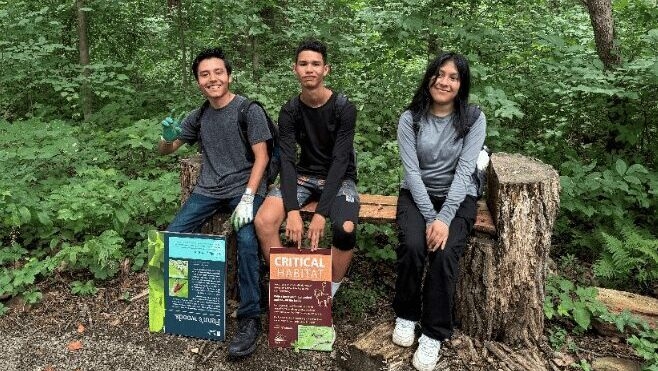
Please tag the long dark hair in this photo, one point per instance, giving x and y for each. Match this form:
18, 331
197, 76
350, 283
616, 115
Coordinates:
422, 99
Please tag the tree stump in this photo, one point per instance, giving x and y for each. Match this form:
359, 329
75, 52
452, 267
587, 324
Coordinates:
500, 293
218, 224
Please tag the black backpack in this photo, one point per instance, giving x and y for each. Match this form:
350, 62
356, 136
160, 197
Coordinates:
273, 151
273, 144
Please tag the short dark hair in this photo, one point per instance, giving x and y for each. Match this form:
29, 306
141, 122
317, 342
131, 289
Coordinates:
207, 54
313, 45
422, 99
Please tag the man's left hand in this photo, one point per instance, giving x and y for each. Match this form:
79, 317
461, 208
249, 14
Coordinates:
243, 213
316, 230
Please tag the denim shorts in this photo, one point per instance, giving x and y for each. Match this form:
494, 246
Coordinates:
345, 207
310, 188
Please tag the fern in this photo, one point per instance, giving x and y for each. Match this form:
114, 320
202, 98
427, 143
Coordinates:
633, 257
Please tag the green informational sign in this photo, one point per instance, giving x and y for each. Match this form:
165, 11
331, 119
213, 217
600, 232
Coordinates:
187, 284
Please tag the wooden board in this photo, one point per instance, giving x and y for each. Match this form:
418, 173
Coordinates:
381, 209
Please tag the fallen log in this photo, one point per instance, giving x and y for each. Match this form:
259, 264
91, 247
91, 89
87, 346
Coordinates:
642, 307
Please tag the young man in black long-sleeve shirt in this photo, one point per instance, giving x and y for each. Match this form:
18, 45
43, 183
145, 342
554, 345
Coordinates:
320, 123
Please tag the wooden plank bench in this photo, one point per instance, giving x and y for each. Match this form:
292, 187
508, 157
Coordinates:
380, 209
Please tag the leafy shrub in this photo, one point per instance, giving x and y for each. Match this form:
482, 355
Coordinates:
627, 261
595, 199
580, 304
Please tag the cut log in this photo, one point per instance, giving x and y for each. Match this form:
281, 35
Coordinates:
618, 301
642, 307
615, 364
500, 292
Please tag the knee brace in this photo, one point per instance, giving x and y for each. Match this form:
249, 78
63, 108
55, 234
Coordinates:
343, 240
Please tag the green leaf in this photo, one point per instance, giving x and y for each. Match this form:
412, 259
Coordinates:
44, 219
25, 214
122, 216
621, 167
581, 315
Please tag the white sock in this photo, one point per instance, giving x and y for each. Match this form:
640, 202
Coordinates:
334, 288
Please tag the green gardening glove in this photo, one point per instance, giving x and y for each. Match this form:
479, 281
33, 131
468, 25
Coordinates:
170, 128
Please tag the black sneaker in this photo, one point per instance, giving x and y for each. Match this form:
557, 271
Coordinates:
245, 340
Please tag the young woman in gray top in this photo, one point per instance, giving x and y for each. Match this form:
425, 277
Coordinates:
439, 137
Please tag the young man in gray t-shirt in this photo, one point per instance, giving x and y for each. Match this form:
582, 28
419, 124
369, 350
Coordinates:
228, 180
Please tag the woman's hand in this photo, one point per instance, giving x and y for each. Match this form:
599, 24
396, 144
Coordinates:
436, 235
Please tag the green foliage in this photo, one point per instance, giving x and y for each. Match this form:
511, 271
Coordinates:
356, 299
598, 198
557, 337
83, 288
79, 198
582, 365
378, 242
580, 305
645, 344
566, 300
629, 261
32, 297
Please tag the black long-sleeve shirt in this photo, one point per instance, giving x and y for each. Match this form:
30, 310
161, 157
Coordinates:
326, 149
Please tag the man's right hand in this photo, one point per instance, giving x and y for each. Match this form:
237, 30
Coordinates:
170, 129
295, 227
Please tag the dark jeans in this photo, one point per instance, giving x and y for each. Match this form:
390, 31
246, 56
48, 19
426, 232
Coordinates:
196, 210
434, 307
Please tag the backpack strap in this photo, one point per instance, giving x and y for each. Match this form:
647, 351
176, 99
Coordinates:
472, 114
339, 104
243, 122
197, 122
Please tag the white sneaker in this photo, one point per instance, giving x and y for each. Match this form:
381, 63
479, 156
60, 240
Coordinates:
427, 354
404, 332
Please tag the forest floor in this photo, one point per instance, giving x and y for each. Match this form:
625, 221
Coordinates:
109, 331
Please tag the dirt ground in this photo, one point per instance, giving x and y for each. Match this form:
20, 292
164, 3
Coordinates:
109, 331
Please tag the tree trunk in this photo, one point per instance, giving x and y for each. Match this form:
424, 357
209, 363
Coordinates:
600, 14
500, 293
254, 58
83, 48
183, 46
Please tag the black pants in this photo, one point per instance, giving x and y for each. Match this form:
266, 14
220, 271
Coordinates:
434, 307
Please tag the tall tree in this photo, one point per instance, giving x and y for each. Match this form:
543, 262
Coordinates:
600, 14
83, 48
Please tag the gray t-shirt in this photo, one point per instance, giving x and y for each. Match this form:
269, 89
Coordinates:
225, 169
434, 164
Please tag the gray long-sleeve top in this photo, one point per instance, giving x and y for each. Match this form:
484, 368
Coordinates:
434, 164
